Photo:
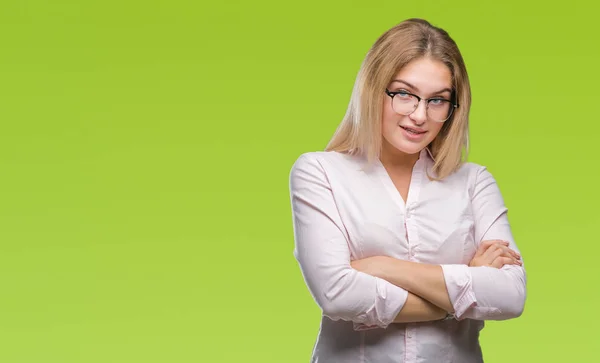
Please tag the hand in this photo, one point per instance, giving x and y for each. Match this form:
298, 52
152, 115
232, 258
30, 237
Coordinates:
495, 253
374, 266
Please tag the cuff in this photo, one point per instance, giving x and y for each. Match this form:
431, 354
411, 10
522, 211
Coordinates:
460, 288
389, 300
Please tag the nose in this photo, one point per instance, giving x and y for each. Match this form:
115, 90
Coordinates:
419, 115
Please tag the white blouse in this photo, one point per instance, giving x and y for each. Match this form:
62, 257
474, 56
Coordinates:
343, 209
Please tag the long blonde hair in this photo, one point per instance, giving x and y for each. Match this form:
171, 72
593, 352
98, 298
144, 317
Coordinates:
360, 129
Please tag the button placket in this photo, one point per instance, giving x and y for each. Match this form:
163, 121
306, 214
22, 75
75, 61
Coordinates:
410, 233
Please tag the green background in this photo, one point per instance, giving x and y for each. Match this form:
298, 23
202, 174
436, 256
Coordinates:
145, 149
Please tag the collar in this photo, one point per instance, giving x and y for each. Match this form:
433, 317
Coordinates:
426, 152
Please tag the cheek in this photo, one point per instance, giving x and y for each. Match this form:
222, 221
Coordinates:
389, 120
435, 129
389, 125
387, 112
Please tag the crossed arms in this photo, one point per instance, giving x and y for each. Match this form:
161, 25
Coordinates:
380, 290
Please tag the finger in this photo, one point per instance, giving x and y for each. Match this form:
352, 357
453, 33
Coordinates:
498, 253
486, 244
517, 254
496, 242
504, 247
492, 253
483, 247
487, 255
511, 253
501, 261
507, 252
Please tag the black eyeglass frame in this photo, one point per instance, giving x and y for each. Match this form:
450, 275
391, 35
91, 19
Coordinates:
452, 102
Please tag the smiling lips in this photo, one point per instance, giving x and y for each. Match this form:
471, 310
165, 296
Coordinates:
412, 130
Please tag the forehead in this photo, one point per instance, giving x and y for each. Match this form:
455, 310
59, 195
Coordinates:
426, 74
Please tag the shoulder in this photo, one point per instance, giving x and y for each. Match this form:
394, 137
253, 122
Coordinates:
475, 176
324, 168
470, 170
326, 161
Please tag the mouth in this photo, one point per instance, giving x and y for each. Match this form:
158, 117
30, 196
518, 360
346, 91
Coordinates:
413, 131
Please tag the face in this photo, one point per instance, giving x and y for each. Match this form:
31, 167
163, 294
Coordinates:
409, 134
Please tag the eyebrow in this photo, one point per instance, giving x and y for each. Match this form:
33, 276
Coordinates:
416, 89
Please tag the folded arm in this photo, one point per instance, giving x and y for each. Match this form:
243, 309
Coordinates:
488, 293
482, 293
416, 309
321, 249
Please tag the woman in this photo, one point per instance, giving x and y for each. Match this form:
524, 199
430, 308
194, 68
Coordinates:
405, 246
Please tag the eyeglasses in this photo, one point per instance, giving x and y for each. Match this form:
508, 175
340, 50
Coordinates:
438, 109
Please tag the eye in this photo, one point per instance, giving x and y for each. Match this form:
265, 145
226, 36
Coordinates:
437, 101
403, 94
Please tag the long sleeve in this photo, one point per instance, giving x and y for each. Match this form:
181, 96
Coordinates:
322, 251
487, 293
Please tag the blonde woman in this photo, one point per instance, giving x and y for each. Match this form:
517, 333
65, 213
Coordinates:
404, 245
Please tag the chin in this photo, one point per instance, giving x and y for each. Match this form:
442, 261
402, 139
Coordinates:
407, 147
399, 142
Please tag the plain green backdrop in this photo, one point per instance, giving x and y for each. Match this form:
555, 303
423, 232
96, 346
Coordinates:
145, 149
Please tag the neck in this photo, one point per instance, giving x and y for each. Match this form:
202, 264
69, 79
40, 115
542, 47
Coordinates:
395, 159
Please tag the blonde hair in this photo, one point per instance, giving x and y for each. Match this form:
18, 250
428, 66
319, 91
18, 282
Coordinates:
360, 129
